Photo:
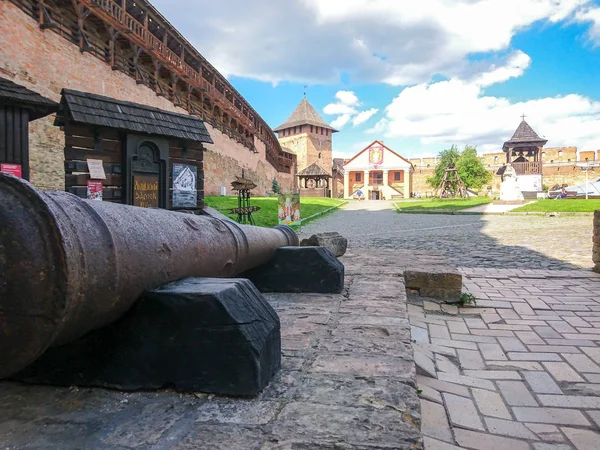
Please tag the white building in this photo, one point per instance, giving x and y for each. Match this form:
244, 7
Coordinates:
379, 172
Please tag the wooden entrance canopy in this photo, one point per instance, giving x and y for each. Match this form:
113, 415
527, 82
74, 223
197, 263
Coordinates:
18, 107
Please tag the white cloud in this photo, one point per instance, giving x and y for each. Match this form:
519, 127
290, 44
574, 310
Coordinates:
363, 116
458, 111
591, 15
317, 41
346, 108
341, 121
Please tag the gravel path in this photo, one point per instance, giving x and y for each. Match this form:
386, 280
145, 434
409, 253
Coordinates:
534, 242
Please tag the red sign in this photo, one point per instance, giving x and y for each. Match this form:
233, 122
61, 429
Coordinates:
13, 169
94, 190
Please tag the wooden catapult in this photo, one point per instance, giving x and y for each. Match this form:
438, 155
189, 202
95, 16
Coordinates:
452, 185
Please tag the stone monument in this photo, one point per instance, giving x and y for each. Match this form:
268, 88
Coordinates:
509, 189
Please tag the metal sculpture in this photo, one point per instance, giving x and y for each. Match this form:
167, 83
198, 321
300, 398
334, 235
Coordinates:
69, 266
244, 210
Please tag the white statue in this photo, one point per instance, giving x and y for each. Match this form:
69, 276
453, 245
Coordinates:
509, 189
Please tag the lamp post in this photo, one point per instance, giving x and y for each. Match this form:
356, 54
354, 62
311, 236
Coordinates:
587, 166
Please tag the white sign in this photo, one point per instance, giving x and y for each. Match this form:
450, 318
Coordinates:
96, 169
530, 183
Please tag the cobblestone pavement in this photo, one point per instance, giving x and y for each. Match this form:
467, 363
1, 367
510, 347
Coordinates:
505, 241
348, 382
521, 370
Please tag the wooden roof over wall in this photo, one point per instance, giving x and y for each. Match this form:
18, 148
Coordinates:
15, 94
91, 109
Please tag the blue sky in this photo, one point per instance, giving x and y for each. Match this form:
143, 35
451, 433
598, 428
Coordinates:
421, 79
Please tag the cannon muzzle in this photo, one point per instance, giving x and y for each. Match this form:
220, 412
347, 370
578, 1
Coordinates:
69, 266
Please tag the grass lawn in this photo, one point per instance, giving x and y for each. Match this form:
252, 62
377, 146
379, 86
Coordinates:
444, 205
566, 205
267, 216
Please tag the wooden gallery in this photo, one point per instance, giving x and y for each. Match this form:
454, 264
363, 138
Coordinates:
114, 151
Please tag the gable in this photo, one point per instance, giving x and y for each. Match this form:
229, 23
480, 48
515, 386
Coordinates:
375, 157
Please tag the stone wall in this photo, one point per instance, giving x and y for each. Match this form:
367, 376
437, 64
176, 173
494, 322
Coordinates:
45, 62
310, 148
559, 154
320, 151
297, 144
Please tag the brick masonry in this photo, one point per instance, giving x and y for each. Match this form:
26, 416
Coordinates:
45, 62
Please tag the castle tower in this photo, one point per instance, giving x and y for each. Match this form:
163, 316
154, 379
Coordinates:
307, 135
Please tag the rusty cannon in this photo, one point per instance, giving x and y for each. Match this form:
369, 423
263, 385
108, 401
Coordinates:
69, 266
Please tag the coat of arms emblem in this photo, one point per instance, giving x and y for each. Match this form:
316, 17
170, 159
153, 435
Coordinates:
376, 155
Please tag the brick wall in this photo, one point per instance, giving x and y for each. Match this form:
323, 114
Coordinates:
45, 62
559, 154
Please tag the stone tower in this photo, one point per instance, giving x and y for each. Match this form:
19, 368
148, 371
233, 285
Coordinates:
307, 135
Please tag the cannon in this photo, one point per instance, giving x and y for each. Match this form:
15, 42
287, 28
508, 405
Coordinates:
69, 266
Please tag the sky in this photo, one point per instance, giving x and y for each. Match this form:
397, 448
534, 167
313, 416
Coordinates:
419, 75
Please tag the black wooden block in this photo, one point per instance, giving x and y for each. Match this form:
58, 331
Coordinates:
199, 334
299, 269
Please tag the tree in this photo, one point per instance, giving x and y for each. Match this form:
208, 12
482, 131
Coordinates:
470, 168
275, 186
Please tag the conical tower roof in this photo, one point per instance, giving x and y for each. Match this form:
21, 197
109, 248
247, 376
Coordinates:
304, 114
524, 135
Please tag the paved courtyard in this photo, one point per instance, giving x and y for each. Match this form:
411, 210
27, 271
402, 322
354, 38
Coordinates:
500, 241
373, 369
521, 368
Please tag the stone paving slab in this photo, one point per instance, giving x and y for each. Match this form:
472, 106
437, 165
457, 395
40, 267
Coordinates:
528, 387
348, 381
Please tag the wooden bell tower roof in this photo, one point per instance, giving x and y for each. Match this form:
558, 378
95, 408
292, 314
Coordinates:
524, 137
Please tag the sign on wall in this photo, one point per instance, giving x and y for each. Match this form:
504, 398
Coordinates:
96, 168
184, 185
145, 191
289, 209
376, 155
12, 169
94, 190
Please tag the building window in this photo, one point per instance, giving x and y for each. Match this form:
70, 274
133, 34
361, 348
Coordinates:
495, 158
569, 160
326, 132
560, 153
321, 131
311, 128
587, 159
358, 177
376, 178
543, 154
551, 161
396, 176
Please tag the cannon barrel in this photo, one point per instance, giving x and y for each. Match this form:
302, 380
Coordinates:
69, 266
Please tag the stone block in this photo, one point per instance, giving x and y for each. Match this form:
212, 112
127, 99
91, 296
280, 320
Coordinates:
437, 282
335, 242
299, 269
199, 334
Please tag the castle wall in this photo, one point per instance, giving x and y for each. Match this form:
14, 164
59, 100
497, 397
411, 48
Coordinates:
45, 62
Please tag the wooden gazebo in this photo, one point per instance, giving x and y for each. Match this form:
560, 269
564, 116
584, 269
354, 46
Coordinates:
314, 181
